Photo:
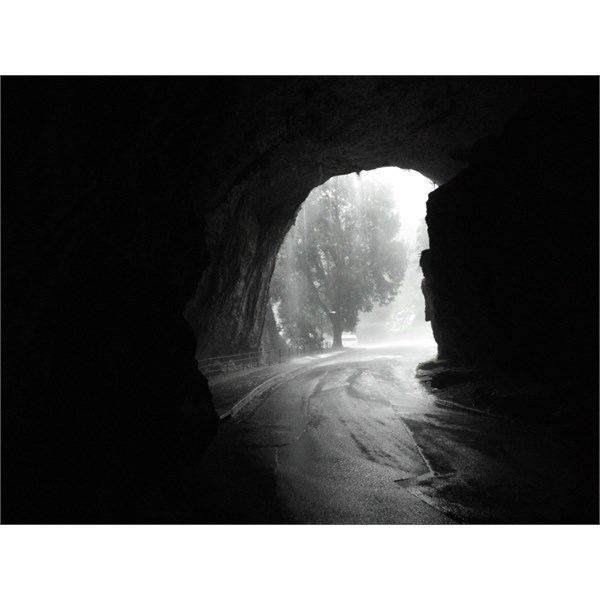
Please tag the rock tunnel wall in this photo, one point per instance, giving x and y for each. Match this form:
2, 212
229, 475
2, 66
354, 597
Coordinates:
129, 202
512, 270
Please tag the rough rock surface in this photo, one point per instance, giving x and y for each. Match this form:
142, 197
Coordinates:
511, 273
128, 202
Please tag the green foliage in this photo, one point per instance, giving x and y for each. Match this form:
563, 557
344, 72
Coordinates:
340, 258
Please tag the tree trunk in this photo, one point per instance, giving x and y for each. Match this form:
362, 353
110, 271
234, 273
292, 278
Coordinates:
271, 339
337, 332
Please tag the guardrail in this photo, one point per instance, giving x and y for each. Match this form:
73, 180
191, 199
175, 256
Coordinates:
220, 365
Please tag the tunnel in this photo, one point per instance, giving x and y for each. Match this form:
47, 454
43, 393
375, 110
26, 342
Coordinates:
141, 219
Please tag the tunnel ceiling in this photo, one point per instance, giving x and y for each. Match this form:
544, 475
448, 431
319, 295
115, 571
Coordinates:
298, 132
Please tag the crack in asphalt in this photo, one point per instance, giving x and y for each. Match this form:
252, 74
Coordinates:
425, 500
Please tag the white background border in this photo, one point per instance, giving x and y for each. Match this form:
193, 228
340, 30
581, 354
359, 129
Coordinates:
310, 37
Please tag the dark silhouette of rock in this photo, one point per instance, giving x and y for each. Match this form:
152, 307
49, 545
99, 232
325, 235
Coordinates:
512, 246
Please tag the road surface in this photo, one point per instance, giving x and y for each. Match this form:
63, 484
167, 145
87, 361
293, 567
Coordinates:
354, 438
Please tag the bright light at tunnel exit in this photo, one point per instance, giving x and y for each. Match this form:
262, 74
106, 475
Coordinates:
403, 319
410, 196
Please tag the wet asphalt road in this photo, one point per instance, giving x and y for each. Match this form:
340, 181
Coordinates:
354, 438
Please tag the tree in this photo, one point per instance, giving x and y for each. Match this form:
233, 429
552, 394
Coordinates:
302, 323
340, 257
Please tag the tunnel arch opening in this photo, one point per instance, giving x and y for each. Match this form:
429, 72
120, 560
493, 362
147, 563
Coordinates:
355, 267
